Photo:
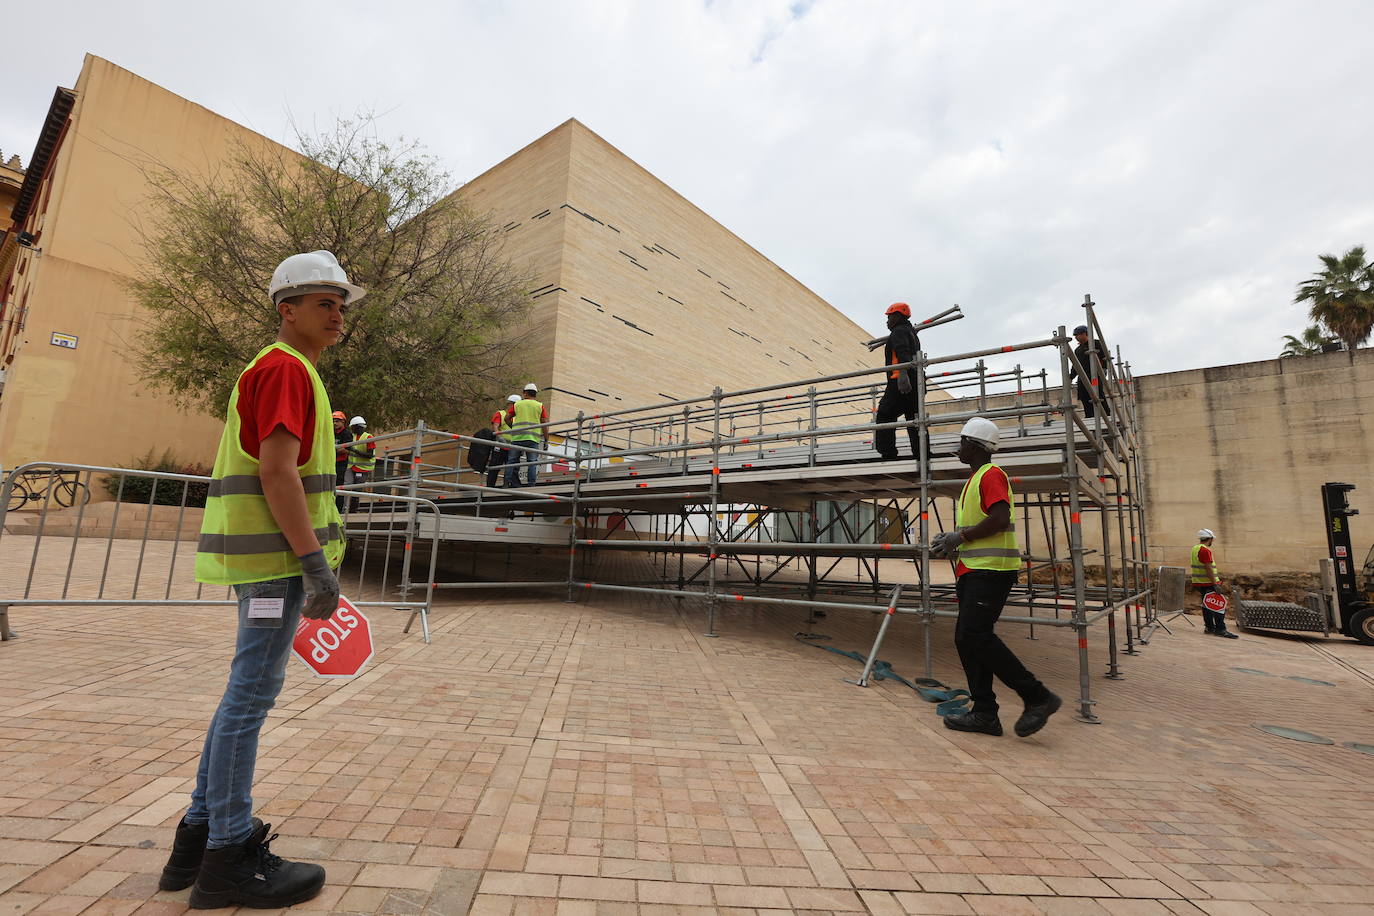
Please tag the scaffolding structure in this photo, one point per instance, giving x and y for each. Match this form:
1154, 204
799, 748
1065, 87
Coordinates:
765, 495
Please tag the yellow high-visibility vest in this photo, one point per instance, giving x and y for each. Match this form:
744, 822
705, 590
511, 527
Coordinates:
1202, 572
240, 541
527, 411
998, 551
356, 460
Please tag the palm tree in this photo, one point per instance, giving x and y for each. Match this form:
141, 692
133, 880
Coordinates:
1309, 343
1341, 296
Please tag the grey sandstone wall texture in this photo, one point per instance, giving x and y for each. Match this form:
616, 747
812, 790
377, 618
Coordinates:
1244, 450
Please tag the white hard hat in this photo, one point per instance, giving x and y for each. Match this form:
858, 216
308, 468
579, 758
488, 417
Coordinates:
514, 399
531, 386
357, 421
1205, 534
982, 431
312, 272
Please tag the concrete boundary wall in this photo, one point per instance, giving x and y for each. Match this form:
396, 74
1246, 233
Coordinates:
1244, 449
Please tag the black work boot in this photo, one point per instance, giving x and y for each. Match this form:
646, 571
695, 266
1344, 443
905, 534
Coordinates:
1227, 634
188, 848
985, 723
249, 875
1037, 714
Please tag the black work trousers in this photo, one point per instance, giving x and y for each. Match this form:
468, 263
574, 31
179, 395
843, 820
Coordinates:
1089, 406
982, 593
1213, 621
894, 404
340, 478
494, 464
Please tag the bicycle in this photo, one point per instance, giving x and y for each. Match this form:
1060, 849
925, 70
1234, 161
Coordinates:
67, 489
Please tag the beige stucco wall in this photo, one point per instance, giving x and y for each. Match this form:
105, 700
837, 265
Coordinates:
716, 311
1244, 450
87, 405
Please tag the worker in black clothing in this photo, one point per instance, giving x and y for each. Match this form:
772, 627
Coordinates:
901, 396
342, 437
1099, 371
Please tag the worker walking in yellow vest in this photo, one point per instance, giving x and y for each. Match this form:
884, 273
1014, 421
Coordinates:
271, 531
524, 417
500, 425
362, 454
984, 540
1206, 580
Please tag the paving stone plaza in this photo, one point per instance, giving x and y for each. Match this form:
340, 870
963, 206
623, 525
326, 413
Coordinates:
606, 757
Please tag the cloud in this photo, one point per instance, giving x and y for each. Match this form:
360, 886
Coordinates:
1182, 162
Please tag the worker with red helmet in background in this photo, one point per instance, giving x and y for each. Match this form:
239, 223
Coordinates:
341, 439
902, 394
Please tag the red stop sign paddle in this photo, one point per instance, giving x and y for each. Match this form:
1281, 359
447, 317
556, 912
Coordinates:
337, 647
1214, 601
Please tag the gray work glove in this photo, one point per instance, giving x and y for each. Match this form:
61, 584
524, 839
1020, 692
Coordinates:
321, 587
946, 543
904, 382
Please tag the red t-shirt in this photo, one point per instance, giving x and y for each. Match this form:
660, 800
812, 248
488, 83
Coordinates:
994, 488
277, 392
1204, 556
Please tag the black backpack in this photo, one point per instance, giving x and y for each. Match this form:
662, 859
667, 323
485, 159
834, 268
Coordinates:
479, 453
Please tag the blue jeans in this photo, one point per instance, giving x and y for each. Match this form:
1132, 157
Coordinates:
513, 470
223, 796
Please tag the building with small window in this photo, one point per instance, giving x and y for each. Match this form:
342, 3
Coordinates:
637, 295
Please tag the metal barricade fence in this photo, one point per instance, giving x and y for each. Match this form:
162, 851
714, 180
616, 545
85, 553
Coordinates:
85, 535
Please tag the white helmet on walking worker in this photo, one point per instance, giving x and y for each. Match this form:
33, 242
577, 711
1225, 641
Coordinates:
514, 399
532, 387
357, 421
982, 431
312, 272
1205, 534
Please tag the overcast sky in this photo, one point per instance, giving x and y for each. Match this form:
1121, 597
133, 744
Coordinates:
1183, 162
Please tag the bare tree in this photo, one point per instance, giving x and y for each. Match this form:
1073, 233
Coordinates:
432, 340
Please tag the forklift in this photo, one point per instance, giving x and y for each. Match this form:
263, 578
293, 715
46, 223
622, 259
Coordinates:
1341, 605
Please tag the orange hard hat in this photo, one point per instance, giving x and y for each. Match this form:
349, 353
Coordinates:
900, 308
340, 415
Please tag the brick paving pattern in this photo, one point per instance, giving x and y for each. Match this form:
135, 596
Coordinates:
607, 757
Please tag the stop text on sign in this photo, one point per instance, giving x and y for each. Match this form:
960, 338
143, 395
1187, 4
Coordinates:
337, 647
330, 634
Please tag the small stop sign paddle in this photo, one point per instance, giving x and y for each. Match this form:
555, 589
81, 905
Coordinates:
1215, 601
338, 647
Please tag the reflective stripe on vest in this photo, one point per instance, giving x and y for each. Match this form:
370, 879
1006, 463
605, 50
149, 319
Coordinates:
1203, 573
240, 541
527, 412
358, 462
998, 551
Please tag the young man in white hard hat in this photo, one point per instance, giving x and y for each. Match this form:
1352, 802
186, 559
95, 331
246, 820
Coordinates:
984, 540
524, 416
1206, 580
271, 530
